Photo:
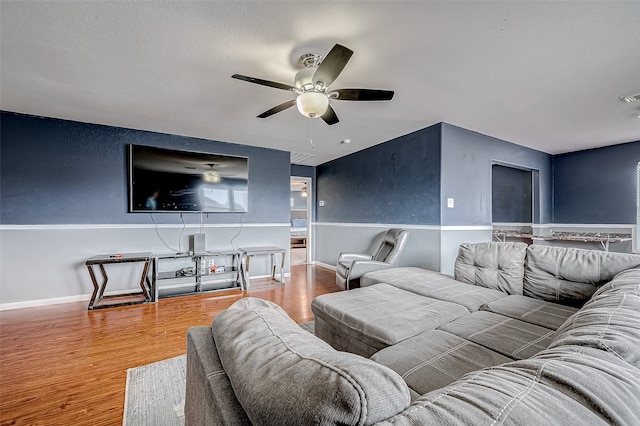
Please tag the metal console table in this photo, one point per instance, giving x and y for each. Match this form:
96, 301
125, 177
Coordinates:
99, 300
249, 252
177, 274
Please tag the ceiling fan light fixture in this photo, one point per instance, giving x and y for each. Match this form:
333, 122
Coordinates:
312, 104
211, 177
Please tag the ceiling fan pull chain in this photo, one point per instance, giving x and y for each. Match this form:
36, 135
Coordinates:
313, 145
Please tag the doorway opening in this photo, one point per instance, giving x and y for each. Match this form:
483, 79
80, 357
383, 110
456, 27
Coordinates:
512, 195
515, 202
300, 220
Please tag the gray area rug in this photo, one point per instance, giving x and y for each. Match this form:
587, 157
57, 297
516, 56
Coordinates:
154, 393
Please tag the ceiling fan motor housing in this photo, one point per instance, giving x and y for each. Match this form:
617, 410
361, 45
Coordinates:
310, 60
304, 80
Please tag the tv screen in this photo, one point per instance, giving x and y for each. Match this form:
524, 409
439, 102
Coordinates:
166, 180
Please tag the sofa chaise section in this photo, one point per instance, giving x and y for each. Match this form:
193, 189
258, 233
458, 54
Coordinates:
365, 320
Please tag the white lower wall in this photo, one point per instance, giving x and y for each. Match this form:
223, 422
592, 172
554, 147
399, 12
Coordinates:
45, 264
453, 236
429, 247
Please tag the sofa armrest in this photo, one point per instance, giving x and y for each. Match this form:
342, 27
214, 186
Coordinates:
350, 257
209, 397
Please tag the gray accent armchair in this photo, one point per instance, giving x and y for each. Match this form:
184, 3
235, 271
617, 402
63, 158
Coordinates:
351, 266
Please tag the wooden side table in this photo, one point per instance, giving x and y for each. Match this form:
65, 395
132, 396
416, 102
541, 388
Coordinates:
249, 252
146, 285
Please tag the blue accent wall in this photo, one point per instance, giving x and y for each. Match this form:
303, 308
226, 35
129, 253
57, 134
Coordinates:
467, 160
394, 182
597, 185
303, 171
64, 172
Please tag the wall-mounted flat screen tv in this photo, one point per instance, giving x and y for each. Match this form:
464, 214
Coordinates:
167, 180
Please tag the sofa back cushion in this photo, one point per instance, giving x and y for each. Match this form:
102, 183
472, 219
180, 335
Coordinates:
570, 276
499, 266
283, 375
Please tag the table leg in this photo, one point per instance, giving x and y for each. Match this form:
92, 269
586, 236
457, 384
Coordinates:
144, 280
237, 265
282, 267
154, 280
95, 286
104, 282
247, 259
273, 266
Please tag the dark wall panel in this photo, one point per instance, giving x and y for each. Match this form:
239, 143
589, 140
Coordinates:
394, 182
596, 185
63, 172
511, 193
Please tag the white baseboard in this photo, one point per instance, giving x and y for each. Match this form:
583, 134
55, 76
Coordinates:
324, 265
44, 302
80, 298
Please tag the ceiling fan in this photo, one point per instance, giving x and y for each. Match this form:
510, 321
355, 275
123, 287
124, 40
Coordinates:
312, 86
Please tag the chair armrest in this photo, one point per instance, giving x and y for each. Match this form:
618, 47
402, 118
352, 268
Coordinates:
350, 257
361, 267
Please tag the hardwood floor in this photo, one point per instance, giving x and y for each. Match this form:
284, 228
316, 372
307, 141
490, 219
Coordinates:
65, 365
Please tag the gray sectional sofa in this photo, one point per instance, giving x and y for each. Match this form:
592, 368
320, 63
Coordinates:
520, 335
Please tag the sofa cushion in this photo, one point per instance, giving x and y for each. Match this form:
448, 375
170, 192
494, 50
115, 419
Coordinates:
570, 276
609, 321
434, 359
433, 284
564, 386
284, 375
625, 282
534, 311
510, 337
494, 265
381, 315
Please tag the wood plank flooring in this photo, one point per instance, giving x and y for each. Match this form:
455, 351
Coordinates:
65, 365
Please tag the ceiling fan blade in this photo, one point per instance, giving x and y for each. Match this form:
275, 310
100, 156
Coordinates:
363, 95
332, 65
278, 108
264, 82
330, 116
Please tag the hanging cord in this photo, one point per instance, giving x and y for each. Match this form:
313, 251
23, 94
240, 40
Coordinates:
181, 232
237, 233
160, 236
313, 145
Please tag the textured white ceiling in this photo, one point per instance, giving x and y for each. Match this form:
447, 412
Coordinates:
546, 75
